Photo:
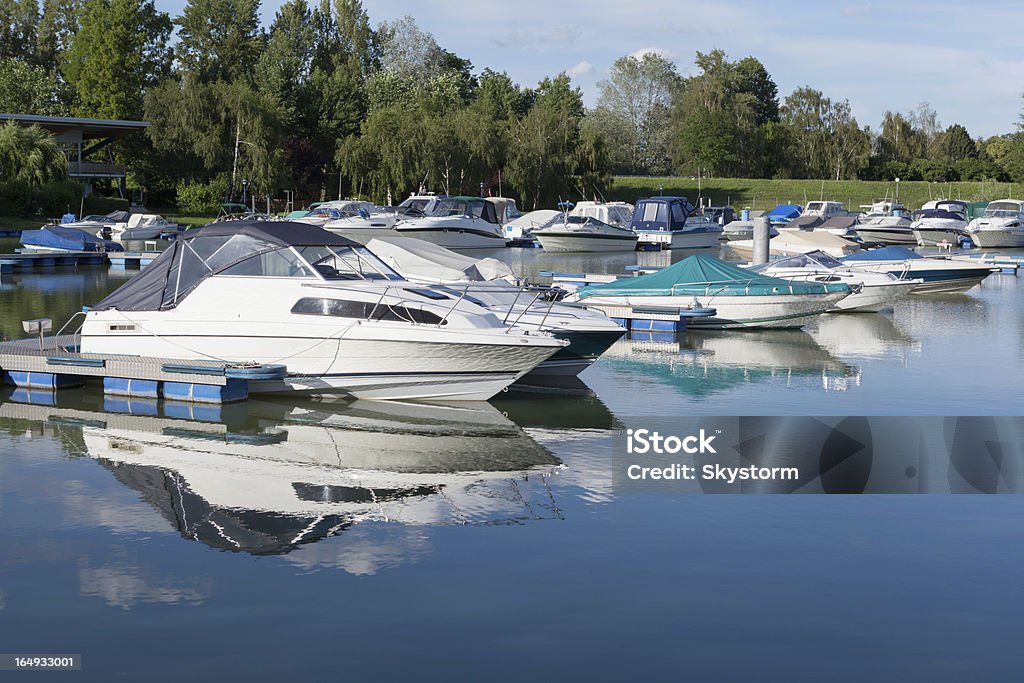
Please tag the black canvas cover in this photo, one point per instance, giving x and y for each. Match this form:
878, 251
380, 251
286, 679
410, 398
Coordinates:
201, 253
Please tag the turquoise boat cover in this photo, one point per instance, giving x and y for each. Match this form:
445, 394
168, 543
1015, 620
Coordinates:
701, 275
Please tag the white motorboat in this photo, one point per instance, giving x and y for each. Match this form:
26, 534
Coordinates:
886, 222
338, 318
790, 242
460, 223
493, 285
521, 228
870, 291
143, 226
358, 220
940, 274
585, 234
742, 299
668, 223
940, 222
1001, 226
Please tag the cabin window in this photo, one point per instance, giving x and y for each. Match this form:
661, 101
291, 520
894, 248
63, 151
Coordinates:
279, 263
365, 310
678, 214
346, 263
651, 212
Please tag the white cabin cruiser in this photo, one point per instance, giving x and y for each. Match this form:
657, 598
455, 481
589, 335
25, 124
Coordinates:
585, 234
791, 242
940, 222
885, 222
1002, 225
460, 223
492, 284
324, 306
870, 291
522, 227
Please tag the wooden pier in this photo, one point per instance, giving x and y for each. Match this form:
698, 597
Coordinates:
56, 363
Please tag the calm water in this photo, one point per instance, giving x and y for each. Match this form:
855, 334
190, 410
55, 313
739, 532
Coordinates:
278, 539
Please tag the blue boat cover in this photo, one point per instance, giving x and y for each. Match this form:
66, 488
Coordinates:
895, 253
70, 239
704, 275
785, 211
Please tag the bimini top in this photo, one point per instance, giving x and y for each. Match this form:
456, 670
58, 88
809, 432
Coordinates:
199, 254
661, 213
894, 253
701, 275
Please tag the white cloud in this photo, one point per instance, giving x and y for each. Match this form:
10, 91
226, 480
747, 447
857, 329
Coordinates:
580, 69
657, 51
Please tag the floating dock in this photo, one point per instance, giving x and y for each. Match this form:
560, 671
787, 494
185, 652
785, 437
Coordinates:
56, 363
28, 261
1005, 264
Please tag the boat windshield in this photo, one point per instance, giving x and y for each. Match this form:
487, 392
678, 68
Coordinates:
1002, 209
813, 259
457, 207
346, 263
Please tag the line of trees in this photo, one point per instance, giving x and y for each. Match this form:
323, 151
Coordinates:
322, 103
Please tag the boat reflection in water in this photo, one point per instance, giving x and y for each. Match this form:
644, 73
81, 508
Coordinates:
864, 336
269, 477
705, 362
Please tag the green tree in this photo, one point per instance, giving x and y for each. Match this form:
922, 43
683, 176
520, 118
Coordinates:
119, 52
826, 140
30, 155
543, 156
29, 89
58, 25
734, 101
219, 39
958, 144
18, 19
283, 68
635, 105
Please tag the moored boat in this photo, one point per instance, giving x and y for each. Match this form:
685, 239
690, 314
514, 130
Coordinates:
668, 223
1001, 226
742, 299
940, 222
460, 223
940, 274
870, 291
337, 317
585, 234
59, 239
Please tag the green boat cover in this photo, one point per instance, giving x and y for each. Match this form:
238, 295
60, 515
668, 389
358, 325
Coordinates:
707, 276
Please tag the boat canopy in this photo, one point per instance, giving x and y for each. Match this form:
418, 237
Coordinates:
661, 214
211, 250
894, 253
421, 260
475, 207
70, 239
812, 259
701, 275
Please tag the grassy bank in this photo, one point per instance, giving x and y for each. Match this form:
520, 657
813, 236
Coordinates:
759, 194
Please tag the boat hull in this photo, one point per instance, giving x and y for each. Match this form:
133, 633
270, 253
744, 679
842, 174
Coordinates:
371, 367
568, 242
732, 312
904, 236
936, 279
679, 239
998, 238
874, 298
934, 237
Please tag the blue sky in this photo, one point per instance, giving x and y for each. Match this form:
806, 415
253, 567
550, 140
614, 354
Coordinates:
963, 58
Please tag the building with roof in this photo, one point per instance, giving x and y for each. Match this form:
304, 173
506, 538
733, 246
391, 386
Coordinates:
86, 143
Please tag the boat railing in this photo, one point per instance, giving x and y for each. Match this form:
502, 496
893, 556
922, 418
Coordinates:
726, 284
464, 291
76, 335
